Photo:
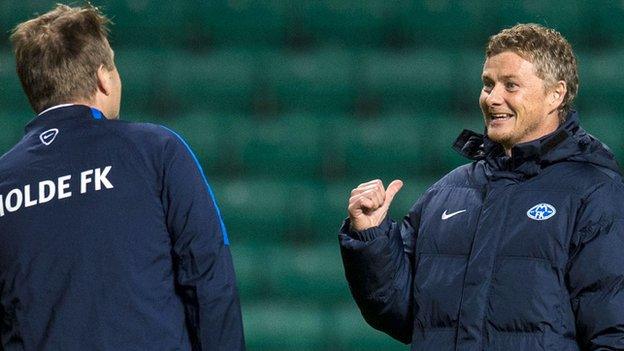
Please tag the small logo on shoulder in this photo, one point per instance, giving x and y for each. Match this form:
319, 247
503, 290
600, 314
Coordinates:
541, 212
48, 136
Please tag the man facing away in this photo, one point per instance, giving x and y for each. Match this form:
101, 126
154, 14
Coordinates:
522, 249
110, 238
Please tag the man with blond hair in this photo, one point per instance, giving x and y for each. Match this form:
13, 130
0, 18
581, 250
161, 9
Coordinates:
110, 237
520, 249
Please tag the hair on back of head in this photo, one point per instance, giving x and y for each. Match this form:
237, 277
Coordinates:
58, 54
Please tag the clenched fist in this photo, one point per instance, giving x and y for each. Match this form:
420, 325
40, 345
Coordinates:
369, 203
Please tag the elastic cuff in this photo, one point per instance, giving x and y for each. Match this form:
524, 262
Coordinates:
367, 234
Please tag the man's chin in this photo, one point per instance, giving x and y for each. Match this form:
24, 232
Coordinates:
499, 138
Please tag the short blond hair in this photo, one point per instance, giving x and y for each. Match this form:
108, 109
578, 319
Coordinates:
548, 50
58, 54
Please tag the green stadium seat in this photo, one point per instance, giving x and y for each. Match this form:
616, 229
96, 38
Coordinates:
285, 147
139, 70
312, 273
12, 96
412, 190
276, 325
301, 213
296, 326
153, 24
468, 69
606, 24
270, 211
355, 334
267, 93
216, 139
346, 23
317, 81
251, 272
410, 81
292, 146
571, 18
441, 158
326, 215
606, 127
444, 24
386, 147
14, 12
257, 211
243, 23
12, 128
216, 81
601, 80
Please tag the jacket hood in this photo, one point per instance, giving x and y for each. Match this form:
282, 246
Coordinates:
569, 142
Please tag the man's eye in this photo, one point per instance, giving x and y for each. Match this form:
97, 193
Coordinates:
487, 86
511, 85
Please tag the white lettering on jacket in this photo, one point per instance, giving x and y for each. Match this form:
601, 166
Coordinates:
48, 190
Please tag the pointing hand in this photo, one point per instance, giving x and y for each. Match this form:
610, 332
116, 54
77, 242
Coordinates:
369, 203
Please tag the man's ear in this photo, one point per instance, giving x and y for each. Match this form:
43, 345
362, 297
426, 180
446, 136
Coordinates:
557, 94
103, 77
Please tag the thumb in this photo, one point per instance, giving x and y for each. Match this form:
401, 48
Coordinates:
392, 189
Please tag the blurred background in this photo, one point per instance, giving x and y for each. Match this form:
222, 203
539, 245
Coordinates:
291, 104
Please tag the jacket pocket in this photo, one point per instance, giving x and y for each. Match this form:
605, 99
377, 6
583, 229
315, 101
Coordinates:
437, 290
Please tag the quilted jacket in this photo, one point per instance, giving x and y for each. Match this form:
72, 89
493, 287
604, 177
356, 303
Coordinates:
505, 253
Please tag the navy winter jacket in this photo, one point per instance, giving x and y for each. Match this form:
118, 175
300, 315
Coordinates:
506, 253
110, 239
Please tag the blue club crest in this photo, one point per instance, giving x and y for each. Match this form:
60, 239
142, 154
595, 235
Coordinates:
541, 212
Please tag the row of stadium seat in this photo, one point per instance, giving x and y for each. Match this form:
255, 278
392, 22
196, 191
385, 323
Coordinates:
289, 105
310, 147
267, 211
292, 272
325, 81
316, 147
197, 25
297, 326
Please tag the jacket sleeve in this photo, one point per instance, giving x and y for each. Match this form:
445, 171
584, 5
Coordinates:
596, 270
379, 266
203, 265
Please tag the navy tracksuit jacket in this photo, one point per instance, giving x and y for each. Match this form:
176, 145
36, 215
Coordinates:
506, 253
110, 239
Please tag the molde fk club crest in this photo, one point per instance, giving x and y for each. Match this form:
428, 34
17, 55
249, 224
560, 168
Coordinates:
541, 212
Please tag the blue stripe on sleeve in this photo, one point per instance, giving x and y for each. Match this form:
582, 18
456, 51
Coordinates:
226, 241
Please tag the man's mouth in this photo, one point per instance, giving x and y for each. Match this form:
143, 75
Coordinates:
500, 116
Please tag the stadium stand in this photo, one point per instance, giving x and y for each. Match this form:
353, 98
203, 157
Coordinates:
289, 105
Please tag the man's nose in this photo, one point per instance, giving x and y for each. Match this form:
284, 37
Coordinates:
495, 97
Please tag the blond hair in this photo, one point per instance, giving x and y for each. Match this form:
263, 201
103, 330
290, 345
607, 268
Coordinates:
548, 50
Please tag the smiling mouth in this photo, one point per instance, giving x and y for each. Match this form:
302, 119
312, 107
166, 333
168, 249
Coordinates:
500, 116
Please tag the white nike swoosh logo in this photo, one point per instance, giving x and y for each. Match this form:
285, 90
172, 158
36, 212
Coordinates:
446, 216
48, 136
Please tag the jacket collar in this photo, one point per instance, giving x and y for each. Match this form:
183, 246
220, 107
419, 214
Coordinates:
568, 142
64, 113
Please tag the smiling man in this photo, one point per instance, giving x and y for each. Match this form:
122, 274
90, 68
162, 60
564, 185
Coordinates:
519, 250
